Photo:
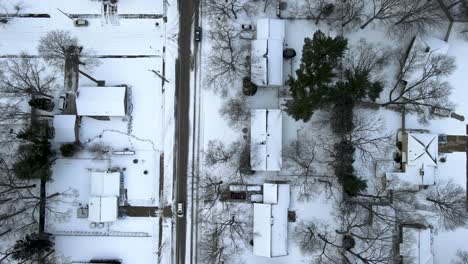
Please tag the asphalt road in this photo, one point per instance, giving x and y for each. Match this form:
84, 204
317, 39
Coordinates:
182, 121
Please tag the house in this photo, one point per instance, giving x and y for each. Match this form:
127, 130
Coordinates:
65, 128
267, 53
416, 245
104, 101
104, 194
270, 225
266, 139
420, 152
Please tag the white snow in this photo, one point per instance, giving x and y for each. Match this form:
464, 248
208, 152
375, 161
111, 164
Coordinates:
417, 245
267, 53
64, 128
147, 131
101, 101
102, 209
105, 183
266, 145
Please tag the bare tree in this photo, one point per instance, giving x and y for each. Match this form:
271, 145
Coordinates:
8, 11
100, 150
236, 110
313, 9
228, 60
300, 158
418, 87
383, 10
369, 139
57, 45
227, 9
366, 58
359, 239
27, 77
266, 4
462, 257
16, 111
351, 12
211, 187
403, 16
417, 17
212, 249
218, 153
307, 235
447, 200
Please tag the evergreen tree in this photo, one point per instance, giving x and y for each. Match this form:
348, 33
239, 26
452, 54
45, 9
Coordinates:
311, 88
32, 247
42, 103
33, 157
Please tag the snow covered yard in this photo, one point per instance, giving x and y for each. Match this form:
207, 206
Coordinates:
147, 130
213, 111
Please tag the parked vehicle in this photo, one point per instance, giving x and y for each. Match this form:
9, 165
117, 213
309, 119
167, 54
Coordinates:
180, 209
80, 22
62, 102
198, 33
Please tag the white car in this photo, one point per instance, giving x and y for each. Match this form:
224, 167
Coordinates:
62, 102
180, 209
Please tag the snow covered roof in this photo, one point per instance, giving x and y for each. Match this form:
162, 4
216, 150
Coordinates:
416, 246
105, 183
262, 230
64, 127
267, 53
423, 149
101, 101
102, 209
266, 139
268, 28
420, 154
271, 223
270, 193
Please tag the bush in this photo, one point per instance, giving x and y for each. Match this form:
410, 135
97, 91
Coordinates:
248, 87
69, 150
33, 161
42, 103
244, 161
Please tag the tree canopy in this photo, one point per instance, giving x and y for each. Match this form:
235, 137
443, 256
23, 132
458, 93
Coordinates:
322, 80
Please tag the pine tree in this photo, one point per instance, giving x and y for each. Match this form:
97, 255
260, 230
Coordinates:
310, 89
32, 247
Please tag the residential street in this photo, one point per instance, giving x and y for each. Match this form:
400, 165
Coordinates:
182, 121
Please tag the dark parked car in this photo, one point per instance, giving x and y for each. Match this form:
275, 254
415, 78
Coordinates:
198, 33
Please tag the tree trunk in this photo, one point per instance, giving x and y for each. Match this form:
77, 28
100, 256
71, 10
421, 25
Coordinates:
367, 23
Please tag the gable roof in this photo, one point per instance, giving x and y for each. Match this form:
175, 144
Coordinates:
266, 139
270, 225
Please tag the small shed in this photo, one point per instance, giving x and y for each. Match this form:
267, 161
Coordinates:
102, 209
105, 191
65, 127
104, 101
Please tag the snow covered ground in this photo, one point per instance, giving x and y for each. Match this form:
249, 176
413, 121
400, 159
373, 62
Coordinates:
148, 130
213, 126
